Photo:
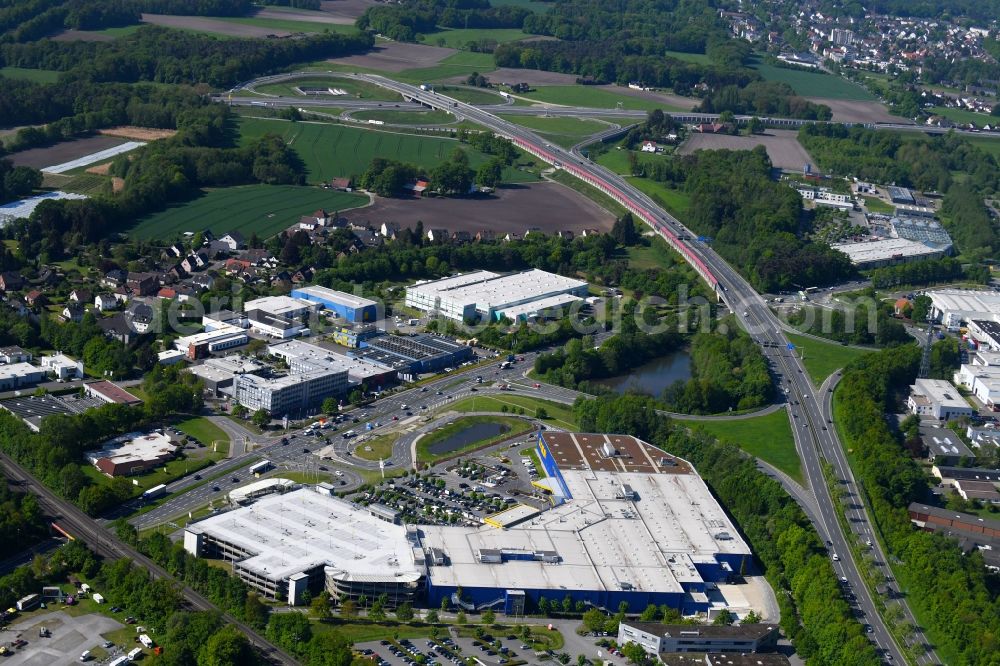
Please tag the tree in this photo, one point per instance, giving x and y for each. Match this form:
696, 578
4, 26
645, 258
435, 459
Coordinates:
634, 653
541, 413
255, 611
289, 630
239, 411
489, 617
624, 230
445, 605
377, 612
404, 612
543, 606
227, 647
650, 614
330, 406
490, 172
593, 620
320, 606
755, 126
460, 618
348, 609
432, 616
260, 418
724, 618
751, 618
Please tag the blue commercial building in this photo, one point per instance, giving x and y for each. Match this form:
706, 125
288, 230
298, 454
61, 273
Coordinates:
344, 305
627, 522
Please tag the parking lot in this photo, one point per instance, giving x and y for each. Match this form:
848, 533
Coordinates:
69, 637
492, 650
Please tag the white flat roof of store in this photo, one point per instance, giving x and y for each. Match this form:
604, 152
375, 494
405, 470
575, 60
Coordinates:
342, 297
304, 529
207, 336
11, 370
962, 300
435, 287
280, 306
135, 446
488, 290
321, 357
248, 491
602, 541
940, 391
880, 250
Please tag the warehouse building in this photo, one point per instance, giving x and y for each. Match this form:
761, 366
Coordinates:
986, 333
280, 317
109, 392
325, 543
901, 195
664, 542
339, 303
656, 638
944, 446
937, 398
922, 230
18, 375
887, 252
974, 534
414, 355
484, 295
952, 307
133, 453
211, 341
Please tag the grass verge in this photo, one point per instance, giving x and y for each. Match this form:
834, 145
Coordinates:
822, 359
558, 414
381, 447
511, 428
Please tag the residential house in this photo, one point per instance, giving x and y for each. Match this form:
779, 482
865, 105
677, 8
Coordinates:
105, 302
18, 306
35, 298
437, 235
121, 294
140, 316
260, 257
80, 296
367, 237
565, 233
342, 184
710, 128
14, 354
184, 292
648, 147
237, 265
116, 277
202, 281
234, 240
72, 312
281, 279
47, 276
195, 262
461, 237
11, 281
486, 235
389, 230
307, 224
142, 284
418, 187
117, 327
166, 292
175, 273
302, 275
511, 236
176, 250
590, 232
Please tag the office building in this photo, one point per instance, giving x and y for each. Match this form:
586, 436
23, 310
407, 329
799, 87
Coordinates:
339, 303
219, 374
483, 295
291, 393
304, 357
214, 340
62, 366
937, 398
280, 317
656, 638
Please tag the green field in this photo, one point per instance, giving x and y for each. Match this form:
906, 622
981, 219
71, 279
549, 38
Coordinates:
354, 89
963, 115
987, 144
393, 117
470, 95
823, 358
677, 202
288, 25
816, 84
767, 437
331, 150
558, 414
592, 97
876, 205
381, 446
459, 38
261, 209
533, 5
34, 75
655, 255
561, 131
514, 426
203, 430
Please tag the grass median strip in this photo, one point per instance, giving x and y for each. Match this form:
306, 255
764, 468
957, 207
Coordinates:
467, 433
821, 358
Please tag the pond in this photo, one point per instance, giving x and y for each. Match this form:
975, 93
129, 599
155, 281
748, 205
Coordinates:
474, 433
652, 377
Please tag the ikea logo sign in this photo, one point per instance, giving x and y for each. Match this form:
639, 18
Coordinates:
542, 449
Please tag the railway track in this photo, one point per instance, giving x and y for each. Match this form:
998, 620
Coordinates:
78, 525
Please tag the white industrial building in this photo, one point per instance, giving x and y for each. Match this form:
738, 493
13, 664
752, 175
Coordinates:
284, 544
290, 393
305, 357
62, 366
280, 316
951, 307
628, 523
937, 398
219, 338
485, 295
986, 333
886, 252
18, 375
824, 197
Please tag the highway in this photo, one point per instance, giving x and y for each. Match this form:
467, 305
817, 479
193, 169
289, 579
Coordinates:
107, 544
812, 416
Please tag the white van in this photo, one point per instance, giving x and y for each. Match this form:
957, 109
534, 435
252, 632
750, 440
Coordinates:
85, 656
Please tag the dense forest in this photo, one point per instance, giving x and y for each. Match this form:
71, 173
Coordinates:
763, 98
926, 164
953, 593
729, 371
814, 613
754, 221
162, 55
858, 319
